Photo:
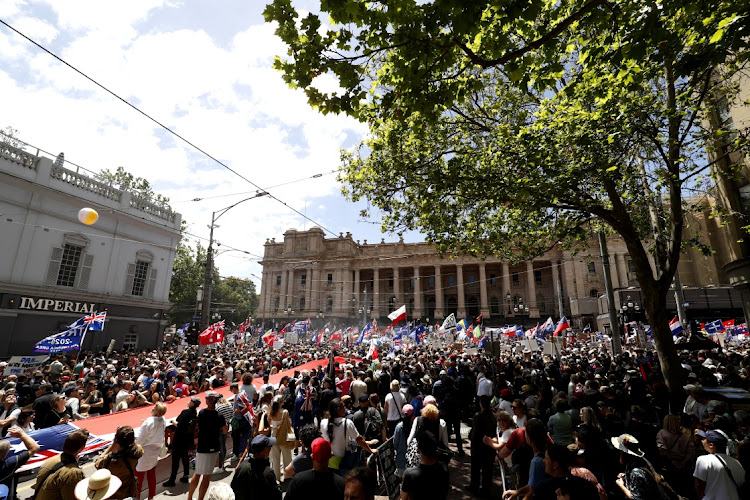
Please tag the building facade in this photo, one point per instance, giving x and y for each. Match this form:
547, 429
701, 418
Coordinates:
55, 269
342, 280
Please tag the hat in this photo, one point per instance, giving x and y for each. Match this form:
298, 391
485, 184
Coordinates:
627, 444
195, 400
430, 400
261, 442
212, 395
363, 397
526, 388
714, 436
443, 372
64, 378
692, 375
321, 450
407, 409
345, 398
689, 387
70, 391
102, 484
505, 393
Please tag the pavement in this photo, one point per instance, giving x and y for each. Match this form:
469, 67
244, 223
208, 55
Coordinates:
459, 470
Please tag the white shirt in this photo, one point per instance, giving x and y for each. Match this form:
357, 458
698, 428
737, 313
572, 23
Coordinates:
343, 430
151, 438
395, 401
719, 486
506, 405
484, 387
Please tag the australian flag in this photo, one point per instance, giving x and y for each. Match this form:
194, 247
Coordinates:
418, 333
365, 333
715, 326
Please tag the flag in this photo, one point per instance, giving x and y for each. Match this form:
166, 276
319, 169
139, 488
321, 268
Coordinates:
314, 338
449, 323
483, 342
728, 324
246, 407
365, 332
462, 325
244, 325
477, 332
675, 326
397, 342
398, 315
335, 336
587, 328
69, 340
307, 399
561, 326
270, 337
715, 326
511, 330
95, 321
418, 334
479, 318
183, 328
213, 334
547, 327
461, 336
372, 353
741, 329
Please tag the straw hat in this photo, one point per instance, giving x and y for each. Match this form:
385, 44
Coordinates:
102, 484
627, 444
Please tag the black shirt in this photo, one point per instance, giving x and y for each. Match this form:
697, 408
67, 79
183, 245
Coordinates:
315, 485
42, 406
429, 482
209, 431
255, 479
577, 487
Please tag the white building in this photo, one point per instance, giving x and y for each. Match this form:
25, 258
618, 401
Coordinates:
54, 270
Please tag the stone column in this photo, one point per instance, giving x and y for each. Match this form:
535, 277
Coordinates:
308, 291
439, 295
531, 290
375, 293
290, 290
417, 312
396, 288
506, 290
284, 285
317, 283
622, 270
357, 296
483, 306
460, 286
614, 275
555, 297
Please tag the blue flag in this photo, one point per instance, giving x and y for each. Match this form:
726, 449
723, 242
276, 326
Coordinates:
482, 342
715, 326
418, 333
364, 332
69, 340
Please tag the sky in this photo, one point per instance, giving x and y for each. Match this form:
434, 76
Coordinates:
203, 69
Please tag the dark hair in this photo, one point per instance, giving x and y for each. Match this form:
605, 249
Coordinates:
484, 401
537, 433
560, 454
125, 436
367, 477
75, 441
247, 378
309, 433
24, 415
333, 410
427, 443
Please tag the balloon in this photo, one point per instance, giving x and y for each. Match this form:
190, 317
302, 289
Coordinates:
88, 216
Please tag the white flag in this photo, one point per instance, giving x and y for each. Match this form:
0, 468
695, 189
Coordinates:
449, 323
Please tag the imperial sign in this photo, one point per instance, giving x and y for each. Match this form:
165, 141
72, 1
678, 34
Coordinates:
57, 305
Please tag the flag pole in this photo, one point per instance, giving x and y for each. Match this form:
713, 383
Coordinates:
83, 338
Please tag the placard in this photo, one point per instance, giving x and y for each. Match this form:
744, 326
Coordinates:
530, 344
472, 351
18, 365
387, 468
458, 346
291, 338
548, 349
278, 344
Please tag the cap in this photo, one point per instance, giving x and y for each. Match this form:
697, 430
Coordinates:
321, 450
505, 393
363, 397
430, 400
212, 395
407, 409
70, 391
261, 442
195, 400
714, 436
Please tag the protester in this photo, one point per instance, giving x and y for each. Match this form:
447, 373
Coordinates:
100, 486
254, 479
344, 439
121, 458
430, 479
303, 461
717, 475
211, 429
184, 436
151, 439
58, 476
10, 464
319, 483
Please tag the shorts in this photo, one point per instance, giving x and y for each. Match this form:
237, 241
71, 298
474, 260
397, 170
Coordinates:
205, 463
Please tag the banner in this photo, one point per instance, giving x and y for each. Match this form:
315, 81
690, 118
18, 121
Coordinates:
69, 340
25, 365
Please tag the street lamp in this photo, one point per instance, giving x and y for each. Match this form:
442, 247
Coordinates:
364, 309
208, 278
520, 309
508, 298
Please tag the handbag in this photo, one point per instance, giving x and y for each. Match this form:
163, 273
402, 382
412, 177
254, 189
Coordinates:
163, 452
412, 454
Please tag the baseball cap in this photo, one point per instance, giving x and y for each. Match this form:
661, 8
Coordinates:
430, 400
407, 409
714, 436
212, 395
195, 400
321, 450
261, 442
363, 398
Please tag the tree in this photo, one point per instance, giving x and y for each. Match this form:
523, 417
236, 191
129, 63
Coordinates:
128, 182
9, 136
234, 299
502, 128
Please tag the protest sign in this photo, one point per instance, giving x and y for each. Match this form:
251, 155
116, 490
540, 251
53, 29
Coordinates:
26, 365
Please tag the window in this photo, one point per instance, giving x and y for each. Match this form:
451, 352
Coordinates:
303, 280
302, 304
139, 278
594, 294
631, 266
130, 342
592, 268
330, 278
515, 278
278, 280
431, 282
537, 277
471, 279
411, 283
494, 305
71, 258
69, 264
276, 304
540, 302
390, 283
329, 303
493, 281
451, 280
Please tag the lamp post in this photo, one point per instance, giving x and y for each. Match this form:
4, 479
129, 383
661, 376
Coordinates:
364, 309
628, 311
208, 278
508, 299
521, 310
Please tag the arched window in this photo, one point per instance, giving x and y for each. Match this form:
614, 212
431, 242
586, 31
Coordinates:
329, 304
302, 304
594, 294
494, 305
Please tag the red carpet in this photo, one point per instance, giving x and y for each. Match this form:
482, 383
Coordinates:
108, 424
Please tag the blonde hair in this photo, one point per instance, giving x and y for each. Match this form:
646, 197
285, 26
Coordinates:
671, 424
160, 409
430, 412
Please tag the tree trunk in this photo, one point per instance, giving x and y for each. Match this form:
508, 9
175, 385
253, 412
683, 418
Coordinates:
655, 304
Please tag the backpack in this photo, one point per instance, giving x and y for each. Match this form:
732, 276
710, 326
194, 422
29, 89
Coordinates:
373, 428
288, 399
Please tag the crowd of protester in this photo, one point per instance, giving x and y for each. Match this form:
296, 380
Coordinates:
582, 425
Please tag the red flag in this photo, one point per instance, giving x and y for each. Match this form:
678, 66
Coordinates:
244, 325
213, 334
561, 326
335, 336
